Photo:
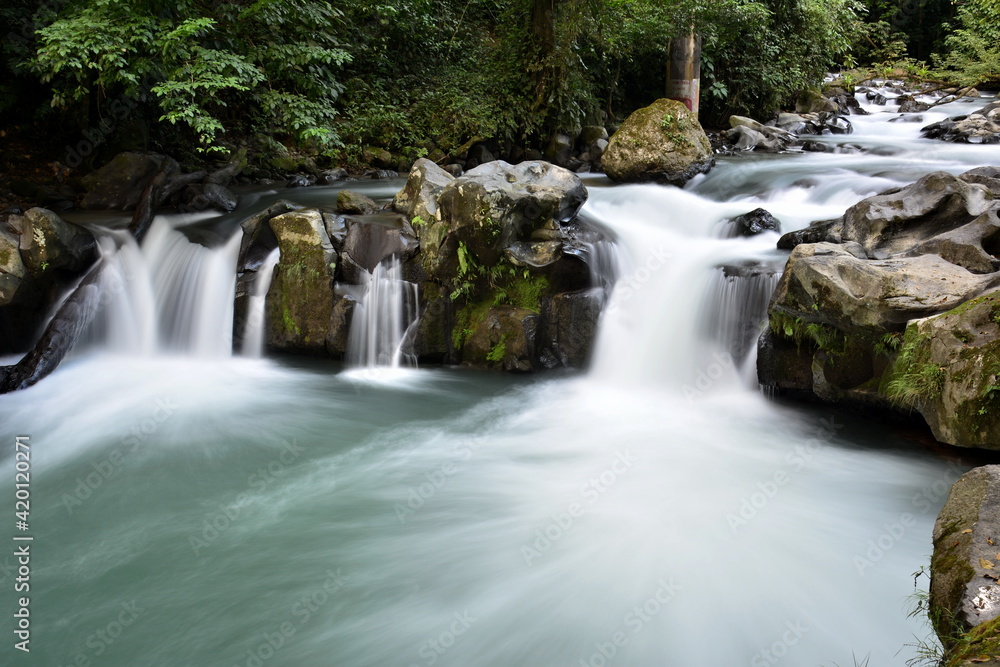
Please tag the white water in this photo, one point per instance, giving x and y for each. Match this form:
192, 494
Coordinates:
545, 510
382, 318
253, 330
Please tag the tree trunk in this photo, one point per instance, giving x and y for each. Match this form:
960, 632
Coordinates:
684, 70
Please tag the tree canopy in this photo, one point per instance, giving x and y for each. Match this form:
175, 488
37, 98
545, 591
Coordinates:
341, 76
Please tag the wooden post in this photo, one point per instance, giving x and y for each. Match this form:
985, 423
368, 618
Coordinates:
684, 70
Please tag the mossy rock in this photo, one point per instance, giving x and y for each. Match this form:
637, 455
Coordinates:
663, 142
504, 338
301, 298
964, 593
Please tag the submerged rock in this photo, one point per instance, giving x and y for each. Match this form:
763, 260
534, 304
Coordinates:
663, 142
755, 222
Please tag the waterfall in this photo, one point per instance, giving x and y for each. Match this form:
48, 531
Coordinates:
253, 331
385, 313
170, 295
736, 307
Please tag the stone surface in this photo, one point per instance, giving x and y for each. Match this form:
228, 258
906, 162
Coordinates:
419, 197
963, 591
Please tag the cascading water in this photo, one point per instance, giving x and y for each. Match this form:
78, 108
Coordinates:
654, 511
382, 317
253, 330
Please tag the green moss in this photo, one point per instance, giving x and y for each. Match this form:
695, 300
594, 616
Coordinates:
289, 322
983, 640
467, 320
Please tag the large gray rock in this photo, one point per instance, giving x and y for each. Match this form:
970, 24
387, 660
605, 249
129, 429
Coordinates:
898, 220
663, 142
895, 306
964, 590
370, 240
569, 328
495, 205
827, 283
419, 197
119, 184
301, 297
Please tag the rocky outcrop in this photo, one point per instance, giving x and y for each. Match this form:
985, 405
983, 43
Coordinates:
896, 305
663, 142
978, 127
965, 595
501, 283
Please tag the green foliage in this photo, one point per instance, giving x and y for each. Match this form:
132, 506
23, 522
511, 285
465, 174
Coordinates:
268, 66
888, 344
914, 378
498, 351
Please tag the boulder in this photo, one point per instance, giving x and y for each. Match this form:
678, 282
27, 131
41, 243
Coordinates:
569, 328
560, 149
370, 240
898, 220
755, 222
895, 306
119, 184
663, 142
49, 242
495, 205
829, 284
964, 592
220, 197
301, 297
355, 203
419, 197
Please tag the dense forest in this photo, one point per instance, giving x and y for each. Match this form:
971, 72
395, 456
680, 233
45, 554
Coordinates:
342, 79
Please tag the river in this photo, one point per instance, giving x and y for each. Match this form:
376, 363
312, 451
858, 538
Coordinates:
194, 508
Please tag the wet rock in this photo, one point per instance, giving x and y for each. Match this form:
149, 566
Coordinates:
419, 197
979, 127
755, 222
505, 339
220, 198
569, 328
495, 205
13, 273
350, 202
